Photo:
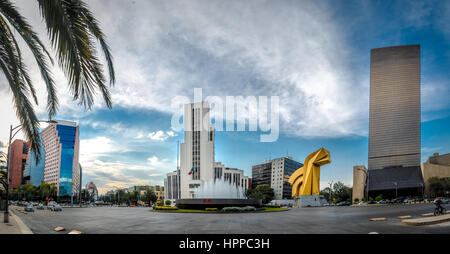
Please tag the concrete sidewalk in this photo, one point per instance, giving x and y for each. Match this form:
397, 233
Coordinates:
427, 220
15, 225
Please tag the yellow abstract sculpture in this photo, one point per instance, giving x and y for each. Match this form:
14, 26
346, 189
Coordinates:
306, 180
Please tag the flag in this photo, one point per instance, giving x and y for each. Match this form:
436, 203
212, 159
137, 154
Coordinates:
192, 171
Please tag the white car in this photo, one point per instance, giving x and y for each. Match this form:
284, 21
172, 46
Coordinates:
29, 208
51, 204
56, 208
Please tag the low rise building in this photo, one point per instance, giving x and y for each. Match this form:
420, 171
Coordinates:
436, 166
232, 175
172, 185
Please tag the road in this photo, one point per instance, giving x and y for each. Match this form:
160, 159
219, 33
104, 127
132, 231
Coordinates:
317, 220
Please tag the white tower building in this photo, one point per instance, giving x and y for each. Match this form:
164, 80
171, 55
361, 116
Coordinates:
197, 151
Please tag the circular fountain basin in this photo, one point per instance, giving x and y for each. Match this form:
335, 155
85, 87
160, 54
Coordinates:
202, 203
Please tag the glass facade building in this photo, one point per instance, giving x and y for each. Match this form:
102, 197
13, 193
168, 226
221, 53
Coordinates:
67, 136
61, 143
34, 173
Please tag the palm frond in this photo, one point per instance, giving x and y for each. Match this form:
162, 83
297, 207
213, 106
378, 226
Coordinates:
72, 31
13, 69
10, 13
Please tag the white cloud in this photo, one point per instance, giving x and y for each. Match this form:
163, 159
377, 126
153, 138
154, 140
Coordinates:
289, 49
161, 135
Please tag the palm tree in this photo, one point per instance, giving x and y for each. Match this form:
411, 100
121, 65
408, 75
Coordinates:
73, 33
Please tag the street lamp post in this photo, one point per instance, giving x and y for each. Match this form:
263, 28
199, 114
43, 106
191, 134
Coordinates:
11, 136
396, 189
330, 189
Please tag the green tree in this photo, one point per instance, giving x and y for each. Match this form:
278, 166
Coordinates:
379, 197
85, 195
28, 191
133, 197
263, 192
168, 202
342, 192
326, 194
53, 190
437, 185
150, 197
356, 201
73, 32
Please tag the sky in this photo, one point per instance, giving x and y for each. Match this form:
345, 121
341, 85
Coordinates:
314, 55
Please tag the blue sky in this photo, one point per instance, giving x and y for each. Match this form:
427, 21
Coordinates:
314, 55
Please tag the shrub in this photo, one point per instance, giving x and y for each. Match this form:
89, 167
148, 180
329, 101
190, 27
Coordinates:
168, 202
249, 208
232, 209
165, 208
210, 209
356, 200
379, 197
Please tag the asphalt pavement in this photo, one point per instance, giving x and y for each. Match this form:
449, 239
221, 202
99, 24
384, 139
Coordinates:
313, 220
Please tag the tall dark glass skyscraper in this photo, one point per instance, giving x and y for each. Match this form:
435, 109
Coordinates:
394, 124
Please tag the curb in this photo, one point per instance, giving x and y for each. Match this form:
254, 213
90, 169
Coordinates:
24, 229
427, 221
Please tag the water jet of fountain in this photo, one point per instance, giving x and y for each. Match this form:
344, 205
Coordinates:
219, 189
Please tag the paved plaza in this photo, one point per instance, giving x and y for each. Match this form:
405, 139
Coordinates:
128, 220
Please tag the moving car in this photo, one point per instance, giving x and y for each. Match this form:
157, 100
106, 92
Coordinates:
29, 208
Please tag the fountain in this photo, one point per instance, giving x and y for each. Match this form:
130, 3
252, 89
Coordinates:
218, 194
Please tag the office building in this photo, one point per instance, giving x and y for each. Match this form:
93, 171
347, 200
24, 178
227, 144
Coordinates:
394, 123
61, 143
233, 176
18, 157
34, 173
197, 165
172, 186
276, 173
197, 151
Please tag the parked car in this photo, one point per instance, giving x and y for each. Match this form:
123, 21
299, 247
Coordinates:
408, 201
51, 204
383, 201
363, 203
40, 207
344, 203
372, 202
29, 208
56, 208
